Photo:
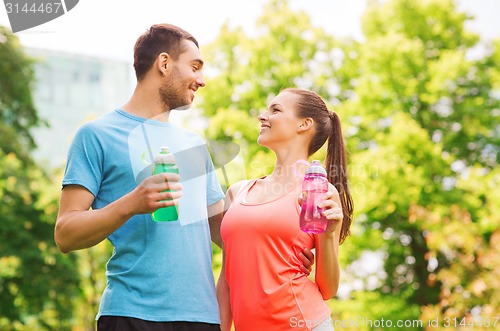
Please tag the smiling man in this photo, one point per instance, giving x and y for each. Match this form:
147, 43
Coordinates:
159, 276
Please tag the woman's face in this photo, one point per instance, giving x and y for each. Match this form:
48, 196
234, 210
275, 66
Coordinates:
279, 123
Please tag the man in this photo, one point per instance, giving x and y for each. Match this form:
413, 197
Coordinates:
160, 275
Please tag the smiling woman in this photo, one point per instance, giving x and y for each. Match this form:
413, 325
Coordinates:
278, 119
269, 291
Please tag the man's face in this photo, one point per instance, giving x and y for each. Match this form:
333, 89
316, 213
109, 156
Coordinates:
185, 78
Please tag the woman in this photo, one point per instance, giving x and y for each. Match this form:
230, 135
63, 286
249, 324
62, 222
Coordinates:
261, 286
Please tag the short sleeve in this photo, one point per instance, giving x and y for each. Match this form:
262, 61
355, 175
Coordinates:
214, 190
84, 165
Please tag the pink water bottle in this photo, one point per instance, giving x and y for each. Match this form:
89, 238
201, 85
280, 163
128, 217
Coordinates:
314, 187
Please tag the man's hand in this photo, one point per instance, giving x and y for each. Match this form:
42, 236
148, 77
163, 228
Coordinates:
307, 258
148, 196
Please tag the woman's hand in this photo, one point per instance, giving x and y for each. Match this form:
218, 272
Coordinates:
327, 245
333, 209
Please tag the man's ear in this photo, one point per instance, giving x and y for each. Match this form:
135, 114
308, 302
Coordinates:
305, 124
163, 62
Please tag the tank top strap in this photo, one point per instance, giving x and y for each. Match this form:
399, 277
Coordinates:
244, 187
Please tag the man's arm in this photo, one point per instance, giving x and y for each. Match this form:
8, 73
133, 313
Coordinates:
215, 214
79, 227
217, 210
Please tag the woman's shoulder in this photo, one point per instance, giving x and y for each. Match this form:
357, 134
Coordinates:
237, 187
233, 191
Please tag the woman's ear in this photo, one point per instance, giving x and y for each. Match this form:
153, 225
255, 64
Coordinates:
162, 62
305, 124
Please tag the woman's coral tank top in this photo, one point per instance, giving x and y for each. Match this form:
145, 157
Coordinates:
267, 289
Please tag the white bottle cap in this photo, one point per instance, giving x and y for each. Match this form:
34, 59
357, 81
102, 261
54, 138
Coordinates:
165, 157
316, 168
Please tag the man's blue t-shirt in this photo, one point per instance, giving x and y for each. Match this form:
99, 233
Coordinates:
159, 271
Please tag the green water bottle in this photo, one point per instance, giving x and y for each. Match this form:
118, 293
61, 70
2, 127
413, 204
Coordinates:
165, 162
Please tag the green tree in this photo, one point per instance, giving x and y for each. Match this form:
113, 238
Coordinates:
247, 71
421, 120
37, 283
17, 112
423, 116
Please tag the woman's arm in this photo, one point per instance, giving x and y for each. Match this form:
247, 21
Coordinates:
327, 246
226, 316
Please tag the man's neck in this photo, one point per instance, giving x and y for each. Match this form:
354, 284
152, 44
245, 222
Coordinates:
146, 104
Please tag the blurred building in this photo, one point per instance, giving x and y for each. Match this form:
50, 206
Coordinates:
71, 89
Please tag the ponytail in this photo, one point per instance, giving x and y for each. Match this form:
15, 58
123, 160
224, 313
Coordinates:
327, 126
336, 167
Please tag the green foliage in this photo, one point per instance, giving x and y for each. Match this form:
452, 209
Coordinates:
421, 118
424, 115
37, 282
415, 59
17, 112
436, 23
246, 71
365, 311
